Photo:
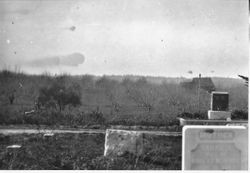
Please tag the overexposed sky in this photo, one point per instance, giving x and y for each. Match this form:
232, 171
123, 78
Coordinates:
141, 37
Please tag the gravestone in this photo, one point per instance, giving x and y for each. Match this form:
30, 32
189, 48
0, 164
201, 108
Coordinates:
120, 142
219, 101
214, 148
219, 106
155, 147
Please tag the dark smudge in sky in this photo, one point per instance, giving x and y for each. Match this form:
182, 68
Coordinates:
72, 28
72, 59
68, 60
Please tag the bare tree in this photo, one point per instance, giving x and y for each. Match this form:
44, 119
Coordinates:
112, 92
245, 78
143, 93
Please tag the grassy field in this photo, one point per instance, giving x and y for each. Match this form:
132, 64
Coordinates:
83, 151
108, 100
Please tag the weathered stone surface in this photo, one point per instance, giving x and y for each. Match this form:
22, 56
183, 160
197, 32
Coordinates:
120, 142
218, 115
215, 148
158, 147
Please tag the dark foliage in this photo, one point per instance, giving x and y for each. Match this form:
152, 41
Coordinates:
239, 115
58, 95
196, 115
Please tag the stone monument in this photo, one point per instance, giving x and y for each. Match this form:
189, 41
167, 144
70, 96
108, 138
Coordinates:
215, 148
219, 106
119, 142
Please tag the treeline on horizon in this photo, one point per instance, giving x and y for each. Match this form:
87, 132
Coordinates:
127, 100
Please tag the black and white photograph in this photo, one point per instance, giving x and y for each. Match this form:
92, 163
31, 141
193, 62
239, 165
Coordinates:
124, 84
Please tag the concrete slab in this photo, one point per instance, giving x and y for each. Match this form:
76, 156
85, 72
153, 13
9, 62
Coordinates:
184, 122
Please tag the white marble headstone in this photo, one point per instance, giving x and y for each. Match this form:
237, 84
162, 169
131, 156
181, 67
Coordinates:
215, 148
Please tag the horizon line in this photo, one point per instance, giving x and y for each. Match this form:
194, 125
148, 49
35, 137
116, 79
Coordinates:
108, 75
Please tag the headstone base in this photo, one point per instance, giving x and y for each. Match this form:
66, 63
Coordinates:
218, 115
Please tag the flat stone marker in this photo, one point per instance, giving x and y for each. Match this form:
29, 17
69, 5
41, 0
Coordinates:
215, 148
153, 144
119, 142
